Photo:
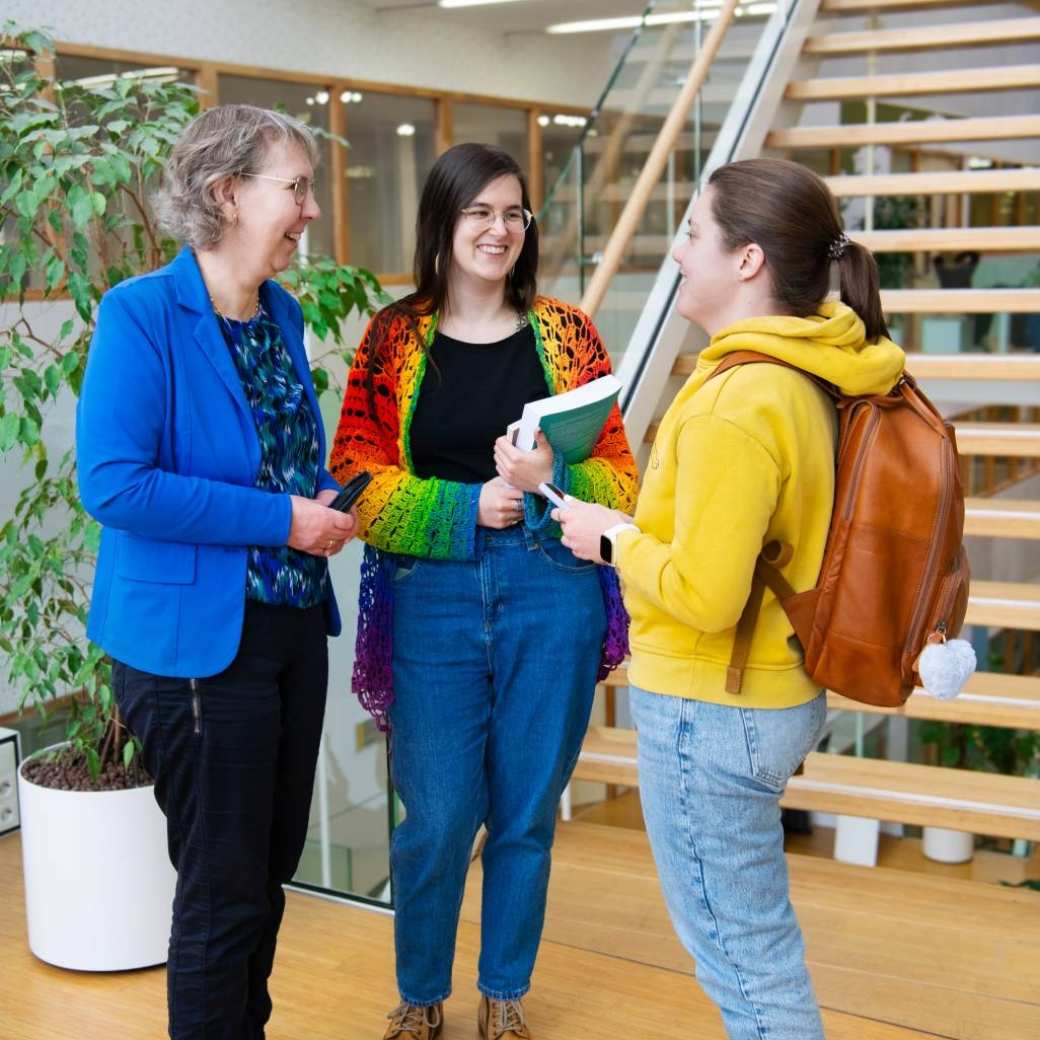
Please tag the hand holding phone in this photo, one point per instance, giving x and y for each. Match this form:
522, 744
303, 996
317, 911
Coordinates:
553, 494
351, 492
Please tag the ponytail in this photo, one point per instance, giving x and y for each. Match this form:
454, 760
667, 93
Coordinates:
860, 288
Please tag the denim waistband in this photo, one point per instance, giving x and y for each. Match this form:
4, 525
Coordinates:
518, 535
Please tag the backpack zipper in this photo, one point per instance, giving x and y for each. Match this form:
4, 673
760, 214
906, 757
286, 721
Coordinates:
920, 615
868, 438
196, 706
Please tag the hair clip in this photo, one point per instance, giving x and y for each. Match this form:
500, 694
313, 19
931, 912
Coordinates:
836, 250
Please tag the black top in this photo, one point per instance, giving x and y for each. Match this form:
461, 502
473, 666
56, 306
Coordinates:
470, 393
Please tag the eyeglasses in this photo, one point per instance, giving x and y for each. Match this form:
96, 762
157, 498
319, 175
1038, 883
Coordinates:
515, 218
300, 186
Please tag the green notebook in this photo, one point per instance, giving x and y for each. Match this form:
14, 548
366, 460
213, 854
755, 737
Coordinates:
571, 421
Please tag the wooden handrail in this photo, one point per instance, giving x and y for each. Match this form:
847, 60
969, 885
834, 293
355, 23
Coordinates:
655, 163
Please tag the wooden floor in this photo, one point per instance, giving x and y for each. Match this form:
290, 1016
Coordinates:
945, 956
609, 965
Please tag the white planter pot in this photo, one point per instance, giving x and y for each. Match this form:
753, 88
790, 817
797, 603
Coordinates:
946, 846
98, 880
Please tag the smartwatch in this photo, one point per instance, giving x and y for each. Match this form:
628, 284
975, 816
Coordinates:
608, 540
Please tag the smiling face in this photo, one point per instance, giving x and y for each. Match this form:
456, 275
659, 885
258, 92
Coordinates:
483, 253
712, 275
270, 221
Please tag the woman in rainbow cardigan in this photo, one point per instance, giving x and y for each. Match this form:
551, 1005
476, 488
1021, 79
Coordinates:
480, 637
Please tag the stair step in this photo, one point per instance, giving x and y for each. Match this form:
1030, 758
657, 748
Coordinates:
964, 34
1001, 440
961, 301
956, 81
990, 128
979, 239
1002, 518
961, 799
936, 182
1004, 604
1004, 440
988, 699
973, 367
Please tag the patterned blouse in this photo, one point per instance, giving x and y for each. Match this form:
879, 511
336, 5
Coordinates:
402, 513
289, 462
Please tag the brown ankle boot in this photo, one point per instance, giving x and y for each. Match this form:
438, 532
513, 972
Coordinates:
502, 1020
409, 1022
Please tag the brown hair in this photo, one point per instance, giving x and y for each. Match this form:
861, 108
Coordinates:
791, 214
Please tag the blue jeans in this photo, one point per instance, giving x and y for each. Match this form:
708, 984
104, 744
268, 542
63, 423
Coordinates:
495, 665
710, 779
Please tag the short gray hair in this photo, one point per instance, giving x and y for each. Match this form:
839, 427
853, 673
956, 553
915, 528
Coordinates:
221, 142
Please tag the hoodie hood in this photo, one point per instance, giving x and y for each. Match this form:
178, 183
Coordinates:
830, 344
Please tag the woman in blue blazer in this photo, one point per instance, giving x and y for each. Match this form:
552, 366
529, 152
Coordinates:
201, 452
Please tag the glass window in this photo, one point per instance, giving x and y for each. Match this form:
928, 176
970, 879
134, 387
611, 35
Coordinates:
491, 124
311, 104
392, 147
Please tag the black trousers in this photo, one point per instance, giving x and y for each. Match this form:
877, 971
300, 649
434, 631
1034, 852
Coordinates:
233, 757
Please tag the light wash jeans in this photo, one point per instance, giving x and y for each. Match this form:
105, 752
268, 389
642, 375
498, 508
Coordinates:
710, 779
495, 663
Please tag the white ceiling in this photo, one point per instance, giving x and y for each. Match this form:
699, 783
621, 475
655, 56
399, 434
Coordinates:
522, 15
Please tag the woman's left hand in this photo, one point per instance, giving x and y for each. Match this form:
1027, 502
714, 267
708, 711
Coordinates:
326, 497
583, 523
524, 469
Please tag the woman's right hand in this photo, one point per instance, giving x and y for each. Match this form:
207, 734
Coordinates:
500, 504
318, 530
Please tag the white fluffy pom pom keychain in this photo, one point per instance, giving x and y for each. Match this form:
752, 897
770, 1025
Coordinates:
945, 665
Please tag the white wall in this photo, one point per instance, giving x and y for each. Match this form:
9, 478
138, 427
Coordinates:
415, 48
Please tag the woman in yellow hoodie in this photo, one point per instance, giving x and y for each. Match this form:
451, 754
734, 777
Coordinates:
740, 461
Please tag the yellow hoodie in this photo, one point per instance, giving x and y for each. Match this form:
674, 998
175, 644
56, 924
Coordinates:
738, 462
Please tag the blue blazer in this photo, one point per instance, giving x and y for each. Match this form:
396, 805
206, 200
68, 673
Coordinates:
167, 454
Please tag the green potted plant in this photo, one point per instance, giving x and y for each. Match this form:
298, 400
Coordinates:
77, 163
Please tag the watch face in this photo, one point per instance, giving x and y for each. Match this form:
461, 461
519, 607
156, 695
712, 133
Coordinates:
606, 549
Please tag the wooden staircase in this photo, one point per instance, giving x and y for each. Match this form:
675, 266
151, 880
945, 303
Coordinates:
931, 156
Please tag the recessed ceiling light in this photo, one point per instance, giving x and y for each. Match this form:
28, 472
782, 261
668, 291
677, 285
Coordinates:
406, 130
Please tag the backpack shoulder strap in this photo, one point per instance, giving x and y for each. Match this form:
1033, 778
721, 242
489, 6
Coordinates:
753, 357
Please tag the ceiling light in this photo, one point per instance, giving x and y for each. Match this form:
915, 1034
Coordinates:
322, 97
350, 95
543, 120
471, 3
406, 130
704, 12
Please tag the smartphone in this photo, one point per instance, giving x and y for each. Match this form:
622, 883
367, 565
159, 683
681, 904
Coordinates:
351, 492
553, 493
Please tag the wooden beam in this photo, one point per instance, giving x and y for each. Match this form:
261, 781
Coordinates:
936, 182
338, 175
207, 79
445, 134
535, 159
956, 81
929, 240
961, 301
990, 128
964, 34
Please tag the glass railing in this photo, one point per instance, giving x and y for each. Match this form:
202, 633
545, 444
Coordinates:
584, 204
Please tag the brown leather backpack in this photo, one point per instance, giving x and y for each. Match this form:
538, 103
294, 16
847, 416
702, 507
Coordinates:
895, 574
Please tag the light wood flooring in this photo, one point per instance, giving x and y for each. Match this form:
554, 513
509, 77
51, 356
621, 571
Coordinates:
609, 965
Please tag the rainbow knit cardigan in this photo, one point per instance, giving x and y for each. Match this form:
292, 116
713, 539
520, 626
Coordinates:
401, 513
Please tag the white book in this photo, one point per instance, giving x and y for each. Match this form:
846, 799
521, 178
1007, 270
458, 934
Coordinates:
571, 421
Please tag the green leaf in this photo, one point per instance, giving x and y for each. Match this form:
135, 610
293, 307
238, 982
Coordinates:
128, 753
9, 431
